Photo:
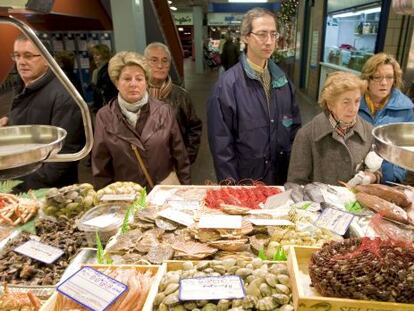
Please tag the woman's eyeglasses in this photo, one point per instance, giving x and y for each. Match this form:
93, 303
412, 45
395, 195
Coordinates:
25, 56
379, 79
263, 35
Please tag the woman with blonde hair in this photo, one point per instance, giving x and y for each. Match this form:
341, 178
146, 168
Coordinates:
333, 146
384, 103
137, 137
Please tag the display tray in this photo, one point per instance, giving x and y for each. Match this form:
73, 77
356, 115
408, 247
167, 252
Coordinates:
306, 298
157, 272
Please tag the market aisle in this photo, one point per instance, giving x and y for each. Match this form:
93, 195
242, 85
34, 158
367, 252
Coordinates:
199, 86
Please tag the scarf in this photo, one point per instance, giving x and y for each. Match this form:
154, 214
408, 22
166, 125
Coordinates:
131, 111
373, 107
162, 91
341, 127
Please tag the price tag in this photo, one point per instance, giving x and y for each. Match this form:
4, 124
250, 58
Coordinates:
270, 222
119, 197
278, 199
104, 221
92, 289
220, 222
212, 288
177, 216
181, 204
39, 251
334, 220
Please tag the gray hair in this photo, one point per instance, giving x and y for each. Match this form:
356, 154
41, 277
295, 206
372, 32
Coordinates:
248, 18
157, 45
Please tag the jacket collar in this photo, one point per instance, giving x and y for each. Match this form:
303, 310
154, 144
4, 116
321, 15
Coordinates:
39, 83
278, 76
322, 127
397, 101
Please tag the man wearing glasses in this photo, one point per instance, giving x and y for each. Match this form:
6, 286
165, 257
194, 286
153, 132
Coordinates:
41, 99
252, 114
162, 88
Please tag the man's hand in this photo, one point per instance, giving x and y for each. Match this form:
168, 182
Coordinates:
4, 121
362, 178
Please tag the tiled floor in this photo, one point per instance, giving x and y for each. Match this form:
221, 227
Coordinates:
199, 86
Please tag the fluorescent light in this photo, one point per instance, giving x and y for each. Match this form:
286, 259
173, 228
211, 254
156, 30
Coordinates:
248, 1
180, 29
367, 11
169, 2
173, 8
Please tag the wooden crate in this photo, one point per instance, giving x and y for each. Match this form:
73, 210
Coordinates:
157, 272
306, 298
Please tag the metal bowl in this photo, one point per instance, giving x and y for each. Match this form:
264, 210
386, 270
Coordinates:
395, 143
26, 145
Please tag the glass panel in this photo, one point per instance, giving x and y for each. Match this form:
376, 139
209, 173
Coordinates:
351, 36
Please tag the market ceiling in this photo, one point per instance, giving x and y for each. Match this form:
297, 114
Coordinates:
220, 5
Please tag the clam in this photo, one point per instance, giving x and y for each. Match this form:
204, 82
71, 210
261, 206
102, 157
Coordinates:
281, 299
209, 307
249, 302
223, 305
266, 304
171, 299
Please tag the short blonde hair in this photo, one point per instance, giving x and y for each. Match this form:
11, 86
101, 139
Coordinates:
371, 66
337, 83
123, 59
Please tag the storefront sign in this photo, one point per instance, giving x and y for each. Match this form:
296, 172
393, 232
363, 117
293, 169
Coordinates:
39, 251
92, 289
217, 19
183, 18
208, 288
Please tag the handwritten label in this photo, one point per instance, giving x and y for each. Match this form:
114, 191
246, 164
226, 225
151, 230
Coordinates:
277, 199
39, 251
119, 197
214, 287
220, 222
334, 220
92, 289
270, 222
177, 216
104, 221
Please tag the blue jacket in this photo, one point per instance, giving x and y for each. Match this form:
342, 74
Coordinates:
248, 138
398, 109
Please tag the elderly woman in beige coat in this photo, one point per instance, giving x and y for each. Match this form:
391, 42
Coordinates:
333, 146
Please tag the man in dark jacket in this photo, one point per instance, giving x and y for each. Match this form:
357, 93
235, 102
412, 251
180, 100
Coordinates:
43, 100
161, 87
230, 55
252, 114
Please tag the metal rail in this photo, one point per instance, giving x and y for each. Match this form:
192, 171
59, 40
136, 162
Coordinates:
86, 118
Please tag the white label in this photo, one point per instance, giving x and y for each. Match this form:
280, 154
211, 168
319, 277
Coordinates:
177, 216
159, 197
270, 222
92, 289
277, 199
334, 220
214, 287
220, 222
39, 251
181, 204
119, 197
104, 221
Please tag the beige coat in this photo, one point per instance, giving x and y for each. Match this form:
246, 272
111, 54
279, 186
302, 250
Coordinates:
320, 154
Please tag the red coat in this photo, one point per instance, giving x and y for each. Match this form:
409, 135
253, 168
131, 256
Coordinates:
160, 145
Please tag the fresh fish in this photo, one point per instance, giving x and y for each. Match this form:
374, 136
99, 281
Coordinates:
313, 192
297, 191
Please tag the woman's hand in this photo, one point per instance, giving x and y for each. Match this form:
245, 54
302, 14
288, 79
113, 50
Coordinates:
4, 121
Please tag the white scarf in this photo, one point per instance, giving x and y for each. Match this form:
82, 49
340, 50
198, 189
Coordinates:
131, 111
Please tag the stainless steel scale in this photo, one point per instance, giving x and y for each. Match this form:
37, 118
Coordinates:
23, 149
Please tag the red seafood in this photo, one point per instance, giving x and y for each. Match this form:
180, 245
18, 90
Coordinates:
249, 197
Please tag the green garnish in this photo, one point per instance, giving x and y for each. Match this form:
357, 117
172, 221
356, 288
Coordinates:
138, 204
100, 257
353, 207
280, 254
262, 254
8, 185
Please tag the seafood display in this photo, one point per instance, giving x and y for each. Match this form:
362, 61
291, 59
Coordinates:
10, 301
248, 197
19, 269
69, 201
266, 285
15, 211
364, 269
138, 284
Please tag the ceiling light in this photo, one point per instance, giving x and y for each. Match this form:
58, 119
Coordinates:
248, 1
173, 8
349, 14
169, 2
180, 29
